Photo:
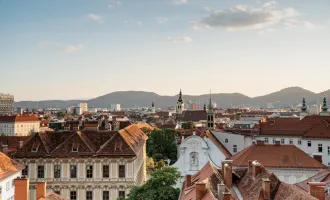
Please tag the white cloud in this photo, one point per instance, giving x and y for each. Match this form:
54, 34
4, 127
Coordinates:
178, 2
243, 17
290, 23
181, 39
71, 48
161, 20
139, 23
94, 17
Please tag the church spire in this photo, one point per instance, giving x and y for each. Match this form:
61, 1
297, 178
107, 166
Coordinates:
180, 97
153, 104
304, 107
210, 107
325, 106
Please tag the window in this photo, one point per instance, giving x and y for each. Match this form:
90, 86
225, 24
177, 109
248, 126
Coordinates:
320, 148
57, 171
89, 171
41, 171
274, 140
121, 193
89, 195
328, 150
106, 171
282, 141
299, 142
25, 171
291, 141
75, 148
266, 140
226, 140
106, 195
7, 186
309, 143
73, 195
234, 148
73, 171
121, 171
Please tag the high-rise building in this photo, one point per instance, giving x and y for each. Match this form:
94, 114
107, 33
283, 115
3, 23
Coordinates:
84, 107
115, 107
6, 104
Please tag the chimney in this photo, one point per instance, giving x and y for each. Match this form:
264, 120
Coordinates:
226, 195
188, 180
256, 168
200, 188
317, 190
41, 189
221, 190
21, 143
4, 149
227, 172
266, 188
21, 188
250, 165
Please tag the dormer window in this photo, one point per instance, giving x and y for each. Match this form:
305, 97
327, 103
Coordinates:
118, 146
75, 147
35, 147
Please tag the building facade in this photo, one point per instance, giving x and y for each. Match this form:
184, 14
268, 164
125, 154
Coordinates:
6, 104
9, 171
86, 165
115, 107
19, 125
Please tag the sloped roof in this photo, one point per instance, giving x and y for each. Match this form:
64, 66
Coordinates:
322, 176
217, 143
53, 196
193, 115
19, 118
320, 130
90, 143
276, 156
8, 166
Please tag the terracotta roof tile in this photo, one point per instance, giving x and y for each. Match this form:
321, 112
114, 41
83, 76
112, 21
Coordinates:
8, 166
19, 118
276, 156
53, 196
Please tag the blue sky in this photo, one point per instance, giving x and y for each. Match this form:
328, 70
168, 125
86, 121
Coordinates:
85, 48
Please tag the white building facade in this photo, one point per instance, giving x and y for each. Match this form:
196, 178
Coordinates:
115, 107
19, 125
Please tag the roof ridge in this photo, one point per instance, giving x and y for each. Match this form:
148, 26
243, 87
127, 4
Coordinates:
107, 142
42, 141
83, 138
220, 143
248, 149
58, 146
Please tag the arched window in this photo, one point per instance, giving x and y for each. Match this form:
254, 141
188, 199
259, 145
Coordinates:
226, 140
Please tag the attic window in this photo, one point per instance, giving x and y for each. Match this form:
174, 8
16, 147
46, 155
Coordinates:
118, 146
75, 147
35, 147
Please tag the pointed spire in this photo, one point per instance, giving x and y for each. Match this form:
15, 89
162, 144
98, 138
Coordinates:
325, 106
153, 104
210, 103
304, 107
180, 97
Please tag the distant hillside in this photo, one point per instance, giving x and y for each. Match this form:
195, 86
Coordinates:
128, 99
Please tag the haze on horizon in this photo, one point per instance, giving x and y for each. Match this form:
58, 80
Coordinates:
80, 48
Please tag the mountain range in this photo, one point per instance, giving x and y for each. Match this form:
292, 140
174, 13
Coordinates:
129, 99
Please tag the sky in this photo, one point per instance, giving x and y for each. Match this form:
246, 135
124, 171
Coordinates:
87, 48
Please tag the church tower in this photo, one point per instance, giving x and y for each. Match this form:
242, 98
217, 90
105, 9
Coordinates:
180, 104
303, 109
210, 116
325, 108
153, 108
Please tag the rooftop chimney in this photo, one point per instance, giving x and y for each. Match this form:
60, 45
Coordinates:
22, 188
317, 190
256, 168
226, 195
227, 172
21, 143
200, 190
188, 180
221, 190
266, 188
250, 165
41, 189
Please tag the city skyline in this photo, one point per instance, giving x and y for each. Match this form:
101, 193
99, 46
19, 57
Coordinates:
84, 49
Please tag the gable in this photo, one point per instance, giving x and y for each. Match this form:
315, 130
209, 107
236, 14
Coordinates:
26, 150
320, 130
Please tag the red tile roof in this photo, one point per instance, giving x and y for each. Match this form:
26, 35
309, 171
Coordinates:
276, 156
8, 166
322, 176
19, 118
53, 196
91, 143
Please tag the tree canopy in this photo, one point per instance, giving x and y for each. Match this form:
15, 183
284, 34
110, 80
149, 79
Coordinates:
161, 145
160, 186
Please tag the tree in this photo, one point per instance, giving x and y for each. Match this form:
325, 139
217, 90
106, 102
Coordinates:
150, 164
161, 144
160, 186
60, 114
